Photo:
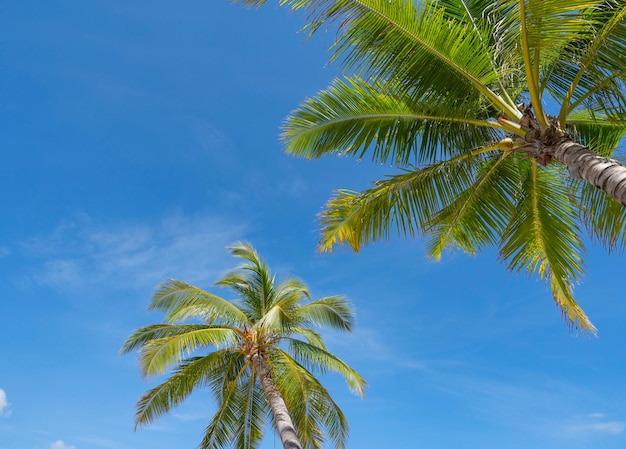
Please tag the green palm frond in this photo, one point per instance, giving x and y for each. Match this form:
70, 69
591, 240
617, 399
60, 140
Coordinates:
310, 403
159, 354
182, 301
600, 61
604, 218
599, 132
311, 336
316, 358
226, 425
409, 201
543, 237
479, 215
191, 373
353, 116
334, 312
396, 40
252, 280
250, 434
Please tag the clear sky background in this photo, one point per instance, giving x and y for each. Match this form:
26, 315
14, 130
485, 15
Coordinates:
138, 139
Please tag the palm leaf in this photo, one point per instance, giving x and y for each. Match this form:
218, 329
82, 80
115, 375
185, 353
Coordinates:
543, 237
158, 354
353, 116
319, 359
479, 215
332, 311
409, 201
419, 46
191, 373
182, 301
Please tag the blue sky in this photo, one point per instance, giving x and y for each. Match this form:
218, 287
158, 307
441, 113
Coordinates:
139, 139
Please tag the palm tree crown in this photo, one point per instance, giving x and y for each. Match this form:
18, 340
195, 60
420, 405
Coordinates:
264, 349
501, 116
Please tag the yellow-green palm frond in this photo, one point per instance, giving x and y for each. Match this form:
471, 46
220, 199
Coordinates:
604, 218
543, 237
353, 116
408, 201
310, 404
158, 354
478, 216
418, 45
240, 417
182, 301
332, 311
543, 29
597, 131
594, 68
252, 281
318, 359
190, 374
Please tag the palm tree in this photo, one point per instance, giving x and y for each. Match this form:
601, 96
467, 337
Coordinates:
500, 116
263, 351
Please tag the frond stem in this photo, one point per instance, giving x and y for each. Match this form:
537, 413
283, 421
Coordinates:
495, 99
533, 81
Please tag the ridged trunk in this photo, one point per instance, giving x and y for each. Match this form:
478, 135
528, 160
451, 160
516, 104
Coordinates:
606, 174
282, 418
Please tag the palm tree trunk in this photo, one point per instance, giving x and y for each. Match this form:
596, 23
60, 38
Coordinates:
606, 174
282, 418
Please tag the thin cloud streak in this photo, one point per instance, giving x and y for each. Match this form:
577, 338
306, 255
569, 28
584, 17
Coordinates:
83, 254
4, 404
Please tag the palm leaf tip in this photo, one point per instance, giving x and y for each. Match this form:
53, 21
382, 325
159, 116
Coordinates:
573, 314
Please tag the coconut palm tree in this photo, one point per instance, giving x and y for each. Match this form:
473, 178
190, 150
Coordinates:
256, 354
502, 118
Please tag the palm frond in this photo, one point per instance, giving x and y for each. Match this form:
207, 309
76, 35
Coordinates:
479, 215
310, 403
159, 354
600, 133
226, 424
251, 280
250, 432
543, 237
182, 301
604, 218
353, 116
190, 374
332, 311
418, 45
409, 201
317, 358
598, 59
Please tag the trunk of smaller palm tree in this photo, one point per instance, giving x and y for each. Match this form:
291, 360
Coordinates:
282, 418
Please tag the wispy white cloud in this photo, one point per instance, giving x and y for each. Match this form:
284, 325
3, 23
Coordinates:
4, 404
596, 423
190, 416
58, 444
86, 254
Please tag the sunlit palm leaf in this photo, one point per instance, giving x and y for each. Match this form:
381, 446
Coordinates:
157, 355
317, 358
333, 312
191, 373
397, 39
543, 237
182, 301
354, 116
408, 201
479, 215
